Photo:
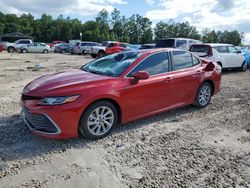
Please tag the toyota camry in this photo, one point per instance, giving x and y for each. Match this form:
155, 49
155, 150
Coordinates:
117, 89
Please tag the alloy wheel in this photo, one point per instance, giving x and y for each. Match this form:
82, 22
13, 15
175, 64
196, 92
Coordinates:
204, 95
100, 120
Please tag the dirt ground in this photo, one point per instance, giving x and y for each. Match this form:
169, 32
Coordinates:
182, 148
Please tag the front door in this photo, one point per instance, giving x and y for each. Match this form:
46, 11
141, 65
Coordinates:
151, 95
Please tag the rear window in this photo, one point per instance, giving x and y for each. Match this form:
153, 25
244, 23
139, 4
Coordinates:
166, 43
123, 45
200, 48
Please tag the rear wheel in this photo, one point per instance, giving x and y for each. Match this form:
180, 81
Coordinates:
244, 66
219, 63
11, 50
83, 52
203, 95
98, 120
101, 54
24, 51
45, 51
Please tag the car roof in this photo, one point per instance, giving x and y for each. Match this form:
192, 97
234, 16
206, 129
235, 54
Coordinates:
218, 44
155, 50
179, 38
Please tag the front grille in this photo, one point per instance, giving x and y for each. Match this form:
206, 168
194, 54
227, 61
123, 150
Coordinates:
27, 97
39, 122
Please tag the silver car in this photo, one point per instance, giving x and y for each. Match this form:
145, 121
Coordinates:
36, 47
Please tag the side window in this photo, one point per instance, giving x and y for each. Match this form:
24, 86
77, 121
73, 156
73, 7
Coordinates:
196, 61
222, 49
190, 42
232, 49
181, 43
154, 64
182, 60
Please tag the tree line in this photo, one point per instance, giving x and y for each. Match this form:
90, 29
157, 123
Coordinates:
114, 26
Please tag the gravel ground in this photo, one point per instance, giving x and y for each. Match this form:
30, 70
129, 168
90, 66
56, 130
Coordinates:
182, 148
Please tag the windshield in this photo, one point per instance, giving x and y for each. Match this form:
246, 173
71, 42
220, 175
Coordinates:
112, 65
166, 43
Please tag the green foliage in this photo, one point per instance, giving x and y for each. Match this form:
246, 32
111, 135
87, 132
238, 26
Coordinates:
172, 29
230, 37
135, 29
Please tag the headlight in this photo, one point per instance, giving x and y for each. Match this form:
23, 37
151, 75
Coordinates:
58, 100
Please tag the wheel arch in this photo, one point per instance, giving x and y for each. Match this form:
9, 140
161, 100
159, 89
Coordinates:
111, 100
211, 83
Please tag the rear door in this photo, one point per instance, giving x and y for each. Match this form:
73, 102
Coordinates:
227, 57
187, 76
237, 58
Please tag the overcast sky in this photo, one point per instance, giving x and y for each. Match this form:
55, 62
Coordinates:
213, 14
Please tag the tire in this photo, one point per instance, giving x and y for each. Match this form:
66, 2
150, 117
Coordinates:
93, 55
243, 66
11, 49
45, 51
83, 52
101, 54
24, 51
219, 63
63, 51
203, 95
89, 126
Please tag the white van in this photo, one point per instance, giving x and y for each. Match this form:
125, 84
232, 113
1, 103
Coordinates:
181, 43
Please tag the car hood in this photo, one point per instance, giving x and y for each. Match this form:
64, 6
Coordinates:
61, 82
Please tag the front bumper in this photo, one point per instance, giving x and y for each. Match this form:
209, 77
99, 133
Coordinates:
56, 122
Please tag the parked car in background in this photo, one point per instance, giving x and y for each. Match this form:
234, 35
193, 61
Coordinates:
99, 51
1, 47
226, 55
246, 52
117, 88
134, 46
84, 47
115, 47
51, 45
12, 47
181, 43
36, 47
147, 46
63, 48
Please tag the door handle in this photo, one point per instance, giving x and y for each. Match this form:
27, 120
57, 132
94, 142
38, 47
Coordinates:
169, 78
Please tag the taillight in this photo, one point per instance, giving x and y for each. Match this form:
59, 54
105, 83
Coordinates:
210, 51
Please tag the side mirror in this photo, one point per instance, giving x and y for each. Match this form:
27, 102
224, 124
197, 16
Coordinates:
140, 75
210, 66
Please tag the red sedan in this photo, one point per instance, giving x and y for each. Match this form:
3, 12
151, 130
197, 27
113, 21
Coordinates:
117, 89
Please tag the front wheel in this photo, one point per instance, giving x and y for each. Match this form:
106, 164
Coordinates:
203, 95
98, 120
244, 66
45, 51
